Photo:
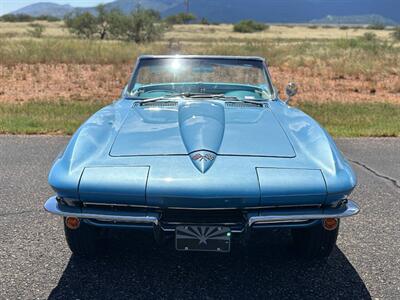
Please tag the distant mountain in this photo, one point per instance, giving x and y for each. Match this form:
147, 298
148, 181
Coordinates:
288, 11
350, 20
229, 11
45, 8
129, 5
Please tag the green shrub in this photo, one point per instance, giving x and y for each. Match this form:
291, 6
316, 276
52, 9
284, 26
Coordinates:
313, 26
369, 36
249, 26
344, 27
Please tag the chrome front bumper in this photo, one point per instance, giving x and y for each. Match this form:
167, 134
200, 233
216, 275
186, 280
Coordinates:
52, 206
346, 210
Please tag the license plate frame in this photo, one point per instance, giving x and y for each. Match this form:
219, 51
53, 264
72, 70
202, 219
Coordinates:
210, 238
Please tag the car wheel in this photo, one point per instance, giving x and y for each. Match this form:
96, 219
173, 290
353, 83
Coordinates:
314, 242
85, 240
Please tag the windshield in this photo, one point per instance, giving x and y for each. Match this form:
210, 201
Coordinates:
241, 78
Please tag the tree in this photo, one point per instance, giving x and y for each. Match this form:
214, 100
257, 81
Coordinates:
143, 25
87, 25
83, 25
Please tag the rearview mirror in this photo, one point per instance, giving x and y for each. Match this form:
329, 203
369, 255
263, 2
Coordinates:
291, 90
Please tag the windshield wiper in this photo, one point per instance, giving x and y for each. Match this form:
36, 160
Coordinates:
169, 96
202, 96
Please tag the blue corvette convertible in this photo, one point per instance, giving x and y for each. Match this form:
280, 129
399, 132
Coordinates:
200, 150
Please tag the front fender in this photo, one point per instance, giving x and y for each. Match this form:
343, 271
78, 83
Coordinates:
91, 143
316, 148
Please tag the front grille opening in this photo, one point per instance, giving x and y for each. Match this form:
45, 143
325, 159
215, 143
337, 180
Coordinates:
115, 208
182, 216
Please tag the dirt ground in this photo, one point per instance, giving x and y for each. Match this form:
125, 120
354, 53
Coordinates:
25, 82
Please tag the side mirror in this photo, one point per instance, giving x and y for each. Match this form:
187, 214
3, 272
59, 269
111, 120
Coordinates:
291, 90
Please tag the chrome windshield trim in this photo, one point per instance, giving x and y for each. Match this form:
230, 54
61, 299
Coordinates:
53, 207
350, 209
183, 56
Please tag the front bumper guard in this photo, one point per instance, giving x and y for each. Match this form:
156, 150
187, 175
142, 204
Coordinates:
348, 209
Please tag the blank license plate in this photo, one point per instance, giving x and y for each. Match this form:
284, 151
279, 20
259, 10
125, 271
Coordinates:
203, 238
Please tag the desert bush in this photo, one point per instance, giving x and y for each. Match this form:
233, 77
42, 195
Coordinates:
376, 26
181, 18
396, 34
36, 30
344, 27
204, 21
249, 26
313, 26
47, 18
369, 36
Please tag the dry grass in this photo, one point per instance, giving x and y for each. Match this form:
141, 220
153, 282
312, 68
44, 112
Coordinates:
52, 29
330, 64
215, 32
225, 32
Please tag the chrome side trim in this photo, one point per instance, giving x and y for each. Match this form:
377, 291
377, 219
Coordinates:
53, 207
349, 210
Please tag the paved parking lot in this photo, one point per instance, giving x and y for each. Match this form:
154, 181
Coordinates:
35, 262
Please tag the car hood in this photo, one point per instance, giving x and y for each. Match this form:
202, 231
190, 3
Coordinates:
184, 127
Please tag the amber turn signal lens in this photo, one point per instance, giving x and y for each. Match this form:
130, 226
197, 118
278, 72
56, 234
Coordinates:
72, 222
330, 223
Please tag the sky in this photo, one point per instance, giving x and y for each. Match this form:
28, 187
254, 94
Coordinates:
7, 6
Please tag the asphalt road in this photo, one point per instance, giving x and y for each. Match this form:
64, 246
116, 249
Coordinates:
35, 262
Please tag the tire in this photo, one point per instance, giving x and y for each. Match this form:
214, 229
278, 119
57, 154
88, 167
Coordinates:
85, 240
314, 242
